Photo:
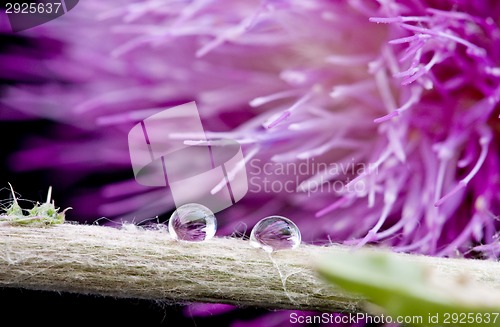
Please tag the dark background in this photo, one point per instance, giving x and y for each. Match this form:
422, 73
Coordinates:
40, 308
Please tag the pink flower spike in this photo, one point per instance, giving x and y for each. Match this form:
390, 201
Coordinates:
484, 142
386, 117
332, 207
286, 114
275, 121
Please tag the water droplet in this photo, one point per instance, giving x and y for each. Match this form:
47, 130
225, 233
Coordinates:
192, 222
275, 233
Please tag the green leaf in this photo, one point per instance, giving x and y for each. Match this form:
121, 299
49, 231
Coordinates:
405, 288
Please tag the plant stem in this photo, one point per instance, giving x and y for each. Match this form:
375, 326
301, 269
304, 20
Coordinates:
146, 264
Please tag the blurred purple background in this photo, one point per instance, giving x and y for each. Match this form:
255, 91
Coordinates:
409, 88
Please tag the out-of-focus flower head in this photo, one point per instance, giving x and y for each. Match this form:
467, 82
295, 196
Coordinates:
407, 90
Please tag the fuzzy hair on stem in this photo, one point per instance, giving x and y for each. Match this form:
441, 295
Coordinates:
148, 264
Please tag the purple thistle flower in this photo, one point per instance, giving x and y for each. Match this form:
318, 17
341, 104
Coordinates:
409, 88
